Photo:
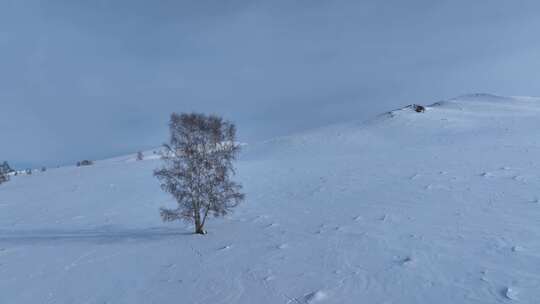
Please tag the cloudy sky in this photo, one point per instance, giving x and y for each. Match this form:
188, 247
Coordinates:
92, 79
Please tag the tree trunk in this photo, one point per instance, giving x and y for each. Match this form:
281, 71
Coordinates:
199, 230
198, 225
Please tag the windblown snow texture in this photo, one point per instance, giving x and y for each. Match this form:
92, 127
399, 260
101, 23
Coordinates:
433, 207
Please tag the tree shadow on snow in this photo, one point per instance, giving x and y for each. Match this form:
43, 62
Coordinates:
97, 235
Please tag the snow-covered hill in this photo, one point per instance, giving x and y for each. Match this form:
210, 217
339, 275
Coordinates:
434, 207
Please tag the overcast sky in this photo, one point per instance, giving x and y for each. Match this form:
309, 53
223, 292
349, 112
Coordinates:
91, 79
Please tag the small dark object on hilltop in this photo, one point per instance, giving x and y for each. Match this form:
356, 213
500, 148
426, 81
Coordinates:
418, 108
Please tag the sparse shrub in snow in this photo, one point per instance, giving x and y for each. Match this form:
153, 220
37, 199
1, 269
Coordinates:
85, 163
198, 166
43, 169
3, 178
140, 155
5, 169
28, 171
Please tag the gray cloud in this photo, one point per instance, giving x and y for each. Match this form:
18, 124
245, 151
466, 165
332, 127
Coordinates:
90, 79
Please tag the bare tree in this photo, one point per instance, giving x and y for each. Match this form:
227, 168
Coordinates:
140, 155
198, 166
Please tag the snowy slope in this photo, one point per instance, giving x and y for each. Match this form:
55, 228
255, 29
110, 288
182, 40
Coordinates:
434, 207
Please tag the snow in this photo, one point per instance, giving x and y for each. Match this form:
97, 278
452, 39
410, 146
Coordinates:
511, 294
434, 207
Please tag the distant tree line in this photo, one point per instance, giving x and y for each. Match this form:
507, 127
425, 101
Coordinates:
6, 171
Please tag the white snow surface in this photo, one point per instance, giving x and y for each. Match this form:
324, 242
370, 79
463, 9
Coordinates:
435, 207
